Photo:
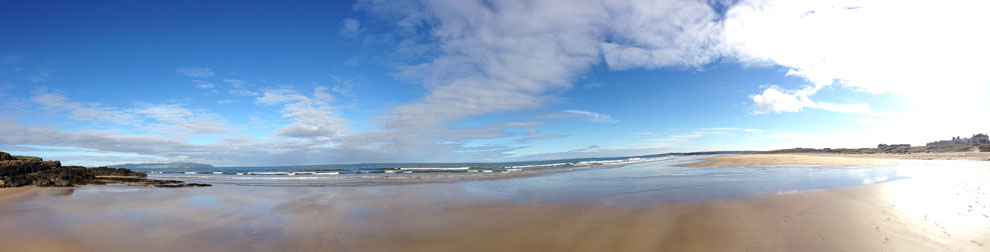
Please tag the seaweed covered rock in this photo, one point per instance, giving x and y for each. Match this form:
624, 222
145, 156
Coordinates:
41, 173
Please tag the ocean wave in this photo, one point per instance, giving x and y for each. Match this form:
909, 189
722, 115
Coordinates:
316, 172
538, 165
435, 168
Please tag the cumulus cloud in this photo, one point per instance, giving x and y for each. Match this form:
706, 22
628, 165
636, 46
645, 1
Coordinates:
658, 34
507, 55
313, 117
777, 100
916, 49
475, 45
195, 72
773, 99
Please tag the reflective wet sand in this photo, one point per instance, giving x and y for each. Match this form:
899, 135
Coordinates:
945, 210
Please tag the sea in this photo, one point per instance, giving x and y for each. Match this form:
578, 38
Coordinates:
624, 180
379, 173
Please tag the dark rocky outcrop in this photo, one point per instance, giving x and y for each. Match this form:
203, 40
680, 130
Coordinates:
103, 171
16, 173
6, 156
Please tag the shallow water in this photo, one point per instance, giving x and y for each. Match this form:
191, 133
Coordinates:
657, 181
664, 182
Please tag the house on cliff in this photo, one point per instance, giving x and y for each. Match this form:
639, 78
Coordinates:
979, 139
976, 139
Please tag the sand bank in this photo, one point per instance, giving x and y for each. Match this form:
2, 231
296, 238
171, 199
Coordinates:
944, 212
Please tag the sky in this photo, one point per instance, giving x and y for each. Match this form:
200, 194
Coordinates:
243, 83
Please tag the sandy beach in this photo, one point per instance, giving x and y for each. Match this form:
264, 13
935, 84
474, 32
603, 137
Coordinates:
946, 211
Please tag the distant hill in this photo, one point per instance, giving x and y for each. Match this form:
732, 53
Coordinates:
171, 165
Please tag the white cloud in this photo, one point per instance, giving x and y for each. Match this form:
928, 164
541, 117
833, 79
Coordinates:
506, 56
175, 119
476, 58
922, 50
535, 138
590, 116
204, 84
349, 28
162, 118
240, 84
56, 102
777, 100
343, 86
39, 74
659, 34
719, 129
243, 92
312, 117
195, 72
492, 58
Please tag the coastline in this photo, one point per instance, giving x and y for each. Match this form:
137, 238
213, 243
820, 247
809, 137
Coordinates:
945, 212
834, 159
793, 159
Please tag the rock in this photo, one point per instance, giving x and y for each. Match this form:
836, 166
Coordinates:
182, 185
63, 183
41, 182
15, 173
104, 171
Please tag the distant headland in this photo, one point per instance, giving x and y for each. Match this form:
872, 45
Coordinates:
977, 143
171, 165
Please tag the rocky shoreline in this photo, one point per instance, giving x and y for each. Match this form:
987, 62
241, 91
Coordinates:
16, 172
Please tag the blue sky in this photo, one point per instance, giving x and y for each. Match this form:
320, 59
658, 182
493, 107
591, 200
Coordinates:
263, 83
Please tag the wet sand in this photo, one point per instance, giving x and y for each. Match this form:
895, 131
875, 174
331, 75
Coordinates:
947, 211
